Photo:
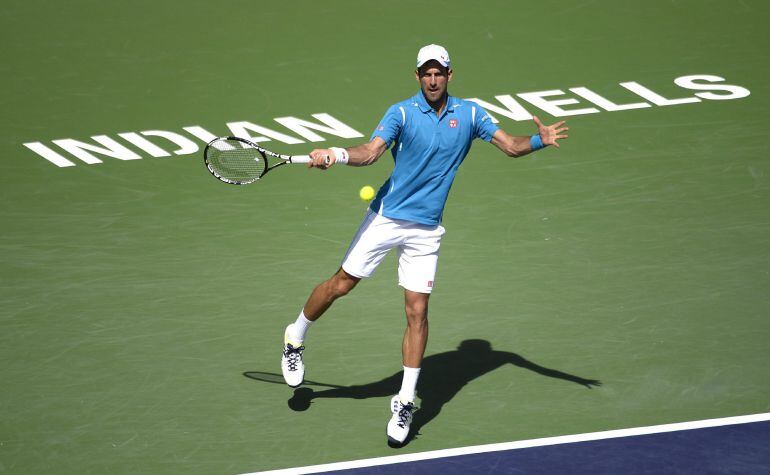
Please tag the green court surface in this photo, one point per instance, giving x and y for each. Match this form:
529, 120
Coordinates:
139, 295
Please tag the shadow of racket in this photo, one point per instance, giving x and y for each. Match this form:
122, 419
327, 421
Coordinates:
276, 378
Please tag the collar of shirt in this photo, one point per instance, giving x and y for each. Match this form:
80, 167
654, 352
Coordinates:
419, 99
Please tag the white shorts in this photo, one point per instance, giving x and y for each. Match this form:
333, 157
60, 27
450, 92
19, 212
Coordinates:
417, 246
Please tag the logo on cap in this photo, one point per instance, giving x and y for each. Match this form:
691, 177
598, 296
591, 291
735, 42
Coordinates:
433, 52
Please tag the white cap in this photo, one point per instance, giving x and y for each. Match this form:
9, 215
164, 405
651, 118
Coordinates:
439, 53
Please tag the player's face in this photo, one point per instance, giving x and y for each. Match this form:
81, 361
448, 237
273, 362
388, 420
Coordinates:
433, 79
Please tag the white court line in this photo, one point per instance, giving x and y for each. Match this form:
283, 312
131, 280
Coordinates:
521, 444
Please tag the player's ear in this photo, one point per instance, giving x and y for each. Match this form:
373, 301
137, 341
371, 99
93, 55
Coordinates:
449, 75
417, 74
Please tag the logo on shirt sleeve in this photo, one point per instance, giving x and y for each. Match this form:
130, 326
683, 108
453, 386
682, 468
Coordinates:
380, 128
453, 123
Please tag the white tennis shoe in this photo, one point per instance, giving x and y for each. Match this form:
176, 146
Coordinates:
292, 366
398, 426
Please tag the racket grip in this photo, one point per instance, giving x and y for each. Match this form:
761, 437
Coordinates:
305, 159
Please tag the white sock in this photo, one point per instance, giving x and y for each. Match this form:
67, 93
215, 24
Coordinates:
409, 384
299, 329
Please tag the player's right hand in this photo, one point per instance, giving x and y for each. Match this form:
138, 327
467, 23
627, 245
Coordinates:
322, 158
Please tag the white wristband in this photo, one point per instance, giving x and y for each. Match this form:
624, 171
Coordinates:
341, 155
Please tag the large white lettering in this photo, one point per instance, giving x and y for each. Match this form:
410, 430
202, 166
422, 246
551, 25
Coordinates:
538, 100
688, 82
605, 103
200, 132
144, 144
513, 110
111, 148
331, 126
49, 154
655, 98
506, 106
242, 129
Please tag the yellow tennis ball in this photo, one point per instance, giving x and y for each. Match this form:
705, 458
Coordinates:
366, 193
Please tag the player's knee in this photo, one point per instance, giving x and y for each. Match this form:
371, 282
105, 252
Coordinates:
340, 290
417, 321
341, 285
417, 313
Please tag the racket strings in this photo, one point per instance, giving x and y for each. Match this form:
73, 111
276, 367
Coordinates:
230, 160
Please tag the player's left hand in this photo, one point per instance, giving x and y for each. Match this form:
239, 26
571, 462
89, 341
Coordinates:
549, 134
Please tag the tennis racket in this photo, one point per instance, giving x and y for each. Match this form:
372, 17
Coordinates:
239, 161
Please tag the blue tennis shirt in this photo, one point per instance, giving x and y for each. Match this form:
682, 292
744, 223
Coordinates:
427, 151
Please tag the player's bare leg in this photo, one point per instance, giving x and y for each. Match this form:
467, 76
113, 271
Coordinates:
327, 292
416, 334
413, 349
292, 364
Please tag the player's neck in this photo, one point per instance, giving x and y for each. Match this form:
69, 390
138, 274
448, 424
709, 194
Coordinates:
439, 105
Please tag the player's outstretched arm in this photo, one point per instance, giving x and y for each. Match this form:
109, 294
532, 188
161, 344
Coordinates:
518, 146
358, 156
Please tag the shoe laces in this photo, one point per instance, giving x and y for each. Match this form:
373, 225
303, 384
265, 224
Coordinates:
293, 356
405, 414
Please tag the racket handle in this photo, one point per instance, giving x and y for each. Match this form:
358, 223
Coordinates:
305, 159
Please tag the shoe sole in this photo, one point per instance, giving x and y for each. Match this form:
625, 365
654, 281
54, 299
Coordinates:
393, 442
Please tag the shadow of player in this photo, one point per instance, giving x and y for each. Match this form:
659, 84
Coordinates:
443, 375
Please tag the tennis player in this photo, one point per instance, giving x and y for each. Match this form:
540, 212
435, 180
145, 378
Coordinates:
429, 135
